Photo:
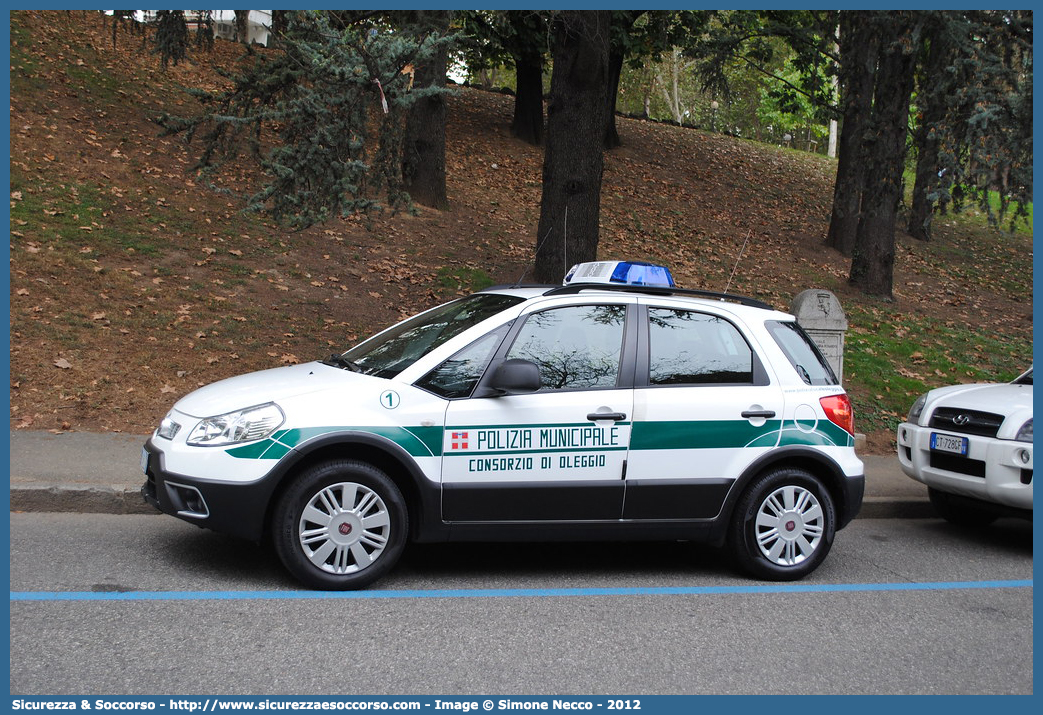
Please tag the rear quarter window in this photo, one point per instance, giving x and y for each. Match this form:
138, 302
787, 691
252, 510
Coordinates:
802, 352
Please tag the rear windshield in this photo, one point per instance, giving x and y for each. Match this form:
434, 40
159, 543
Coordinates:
802, 352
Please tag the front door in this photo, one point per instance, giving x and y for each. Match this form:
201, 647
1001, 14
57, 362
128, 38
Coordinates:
554, 455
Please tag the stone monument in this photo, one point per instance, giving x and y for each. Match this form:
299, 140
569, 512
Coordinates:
818, 311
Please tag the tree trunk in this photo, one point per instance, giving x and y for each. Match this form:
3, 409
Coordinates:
423, 151
527, 124
672, 94
615, 70
622, 23
243, 28
573, 160
858, 53
279, 21
872, 265
931, 99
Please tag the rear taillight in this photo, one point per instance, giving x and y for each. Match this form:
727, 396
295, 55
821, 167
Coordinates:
838, 410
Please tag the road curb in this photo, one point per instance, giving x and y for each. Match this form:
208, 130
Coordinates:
896, 508
79, 499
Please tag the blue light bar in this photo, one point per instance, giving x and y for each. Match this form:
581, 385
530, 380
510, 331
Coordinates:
635, 273
642, 274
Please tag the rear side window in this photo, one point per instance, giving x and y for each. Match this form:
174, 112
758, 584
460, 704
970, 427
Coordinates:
802, 352
689, 348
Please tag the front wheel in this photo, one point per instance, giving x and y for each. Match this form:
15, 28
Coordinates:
341, 525
783, 525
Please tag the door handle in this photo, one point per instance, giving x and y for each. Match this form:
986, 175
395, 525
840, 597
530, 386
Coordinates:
614, 416
750, 414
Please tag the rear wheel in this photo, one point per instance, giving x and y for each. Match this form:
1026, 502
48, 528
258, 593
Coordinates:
783, 525
341, 525
959, 512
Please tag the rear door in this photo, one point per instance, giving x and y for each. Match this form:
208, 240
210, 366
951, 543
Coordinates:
704, 409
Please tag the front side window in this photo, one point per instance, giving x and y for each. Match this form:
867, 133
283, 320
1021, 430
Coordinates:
576, 347
690, 348
458, 375
394, 350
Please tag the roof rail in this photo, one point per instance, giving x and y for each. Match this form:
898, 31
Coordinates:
511, 286
660, 290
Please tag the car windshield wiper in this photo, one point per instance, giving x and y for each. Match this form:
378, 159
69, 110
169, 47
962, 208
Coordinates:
340, 361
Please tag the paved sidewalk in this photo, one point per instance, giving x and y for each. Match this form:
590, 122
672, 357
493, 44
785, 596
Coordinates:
101, 473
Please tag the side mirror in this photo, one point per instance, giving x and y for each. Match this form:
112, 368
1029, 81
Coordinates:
515, 377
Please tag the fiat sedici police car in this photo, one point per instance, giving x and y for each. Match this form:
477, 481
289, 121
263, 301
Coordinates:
615, 406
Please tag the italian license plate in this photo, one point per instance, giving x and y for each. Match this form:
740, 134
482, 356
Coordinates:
144, 460
948, 443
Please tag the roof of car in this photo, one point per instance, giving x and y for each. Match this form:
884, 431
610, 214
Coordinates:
529, 291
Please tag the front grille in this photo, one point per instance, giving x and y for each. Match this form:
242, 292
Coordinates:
958, 464
1026, 476
953, 419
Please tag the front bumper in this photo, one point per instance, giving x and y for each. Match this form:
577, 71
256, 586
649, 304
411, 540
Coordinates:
996, 471
235, 508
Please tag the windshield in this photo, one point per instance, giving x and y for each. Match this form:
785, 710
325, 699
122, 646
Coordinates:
1025, 379
394, 350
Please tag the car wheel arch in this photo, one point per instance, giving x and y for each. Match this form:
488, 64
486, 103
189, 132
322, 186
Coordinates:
421, 498
809, 460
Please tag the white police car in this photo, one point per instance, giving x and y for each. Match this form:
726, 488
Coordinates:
615, 406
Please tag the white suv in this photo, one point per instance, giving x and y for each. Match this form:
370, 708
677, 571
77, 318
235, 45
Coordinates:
616, 406
972, 446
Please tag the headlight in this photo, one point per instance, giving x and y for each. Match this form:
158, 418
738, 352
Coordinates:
168, 428
917, 409
241, 426
1025, 433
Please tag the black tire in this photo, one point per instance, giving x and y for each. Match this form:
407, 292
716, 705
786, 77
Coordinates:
960, 512
783, 525
340, 525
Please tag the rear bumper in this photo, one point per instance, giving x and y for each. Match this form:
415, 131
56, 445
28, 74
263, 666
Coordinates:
852, 499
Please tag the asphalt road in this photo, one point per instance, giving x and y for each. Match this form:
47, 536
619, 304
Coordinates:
900, 606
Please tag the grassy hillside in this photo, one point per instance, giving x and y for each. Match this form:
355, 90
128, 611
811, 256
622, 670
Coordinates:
132, 284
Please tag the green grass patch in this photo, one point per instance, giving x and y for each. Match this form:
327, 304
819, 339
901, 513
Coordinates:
999, 262
457, 278
891, 358
972, 214
26, 77
83, 214
98, 84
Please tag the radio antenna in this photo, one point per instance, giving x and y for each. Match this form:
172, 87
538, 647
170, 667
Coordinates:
566, 241
538, 248
726, 287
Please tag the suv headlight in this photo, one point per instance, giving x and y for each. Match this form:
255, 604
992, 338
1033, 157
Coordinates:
917, 409
245, 425
1025, 433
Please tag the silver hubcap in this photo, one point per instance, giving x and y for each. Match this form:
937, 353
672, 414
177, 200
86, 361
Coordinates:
344, 528
789, 525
